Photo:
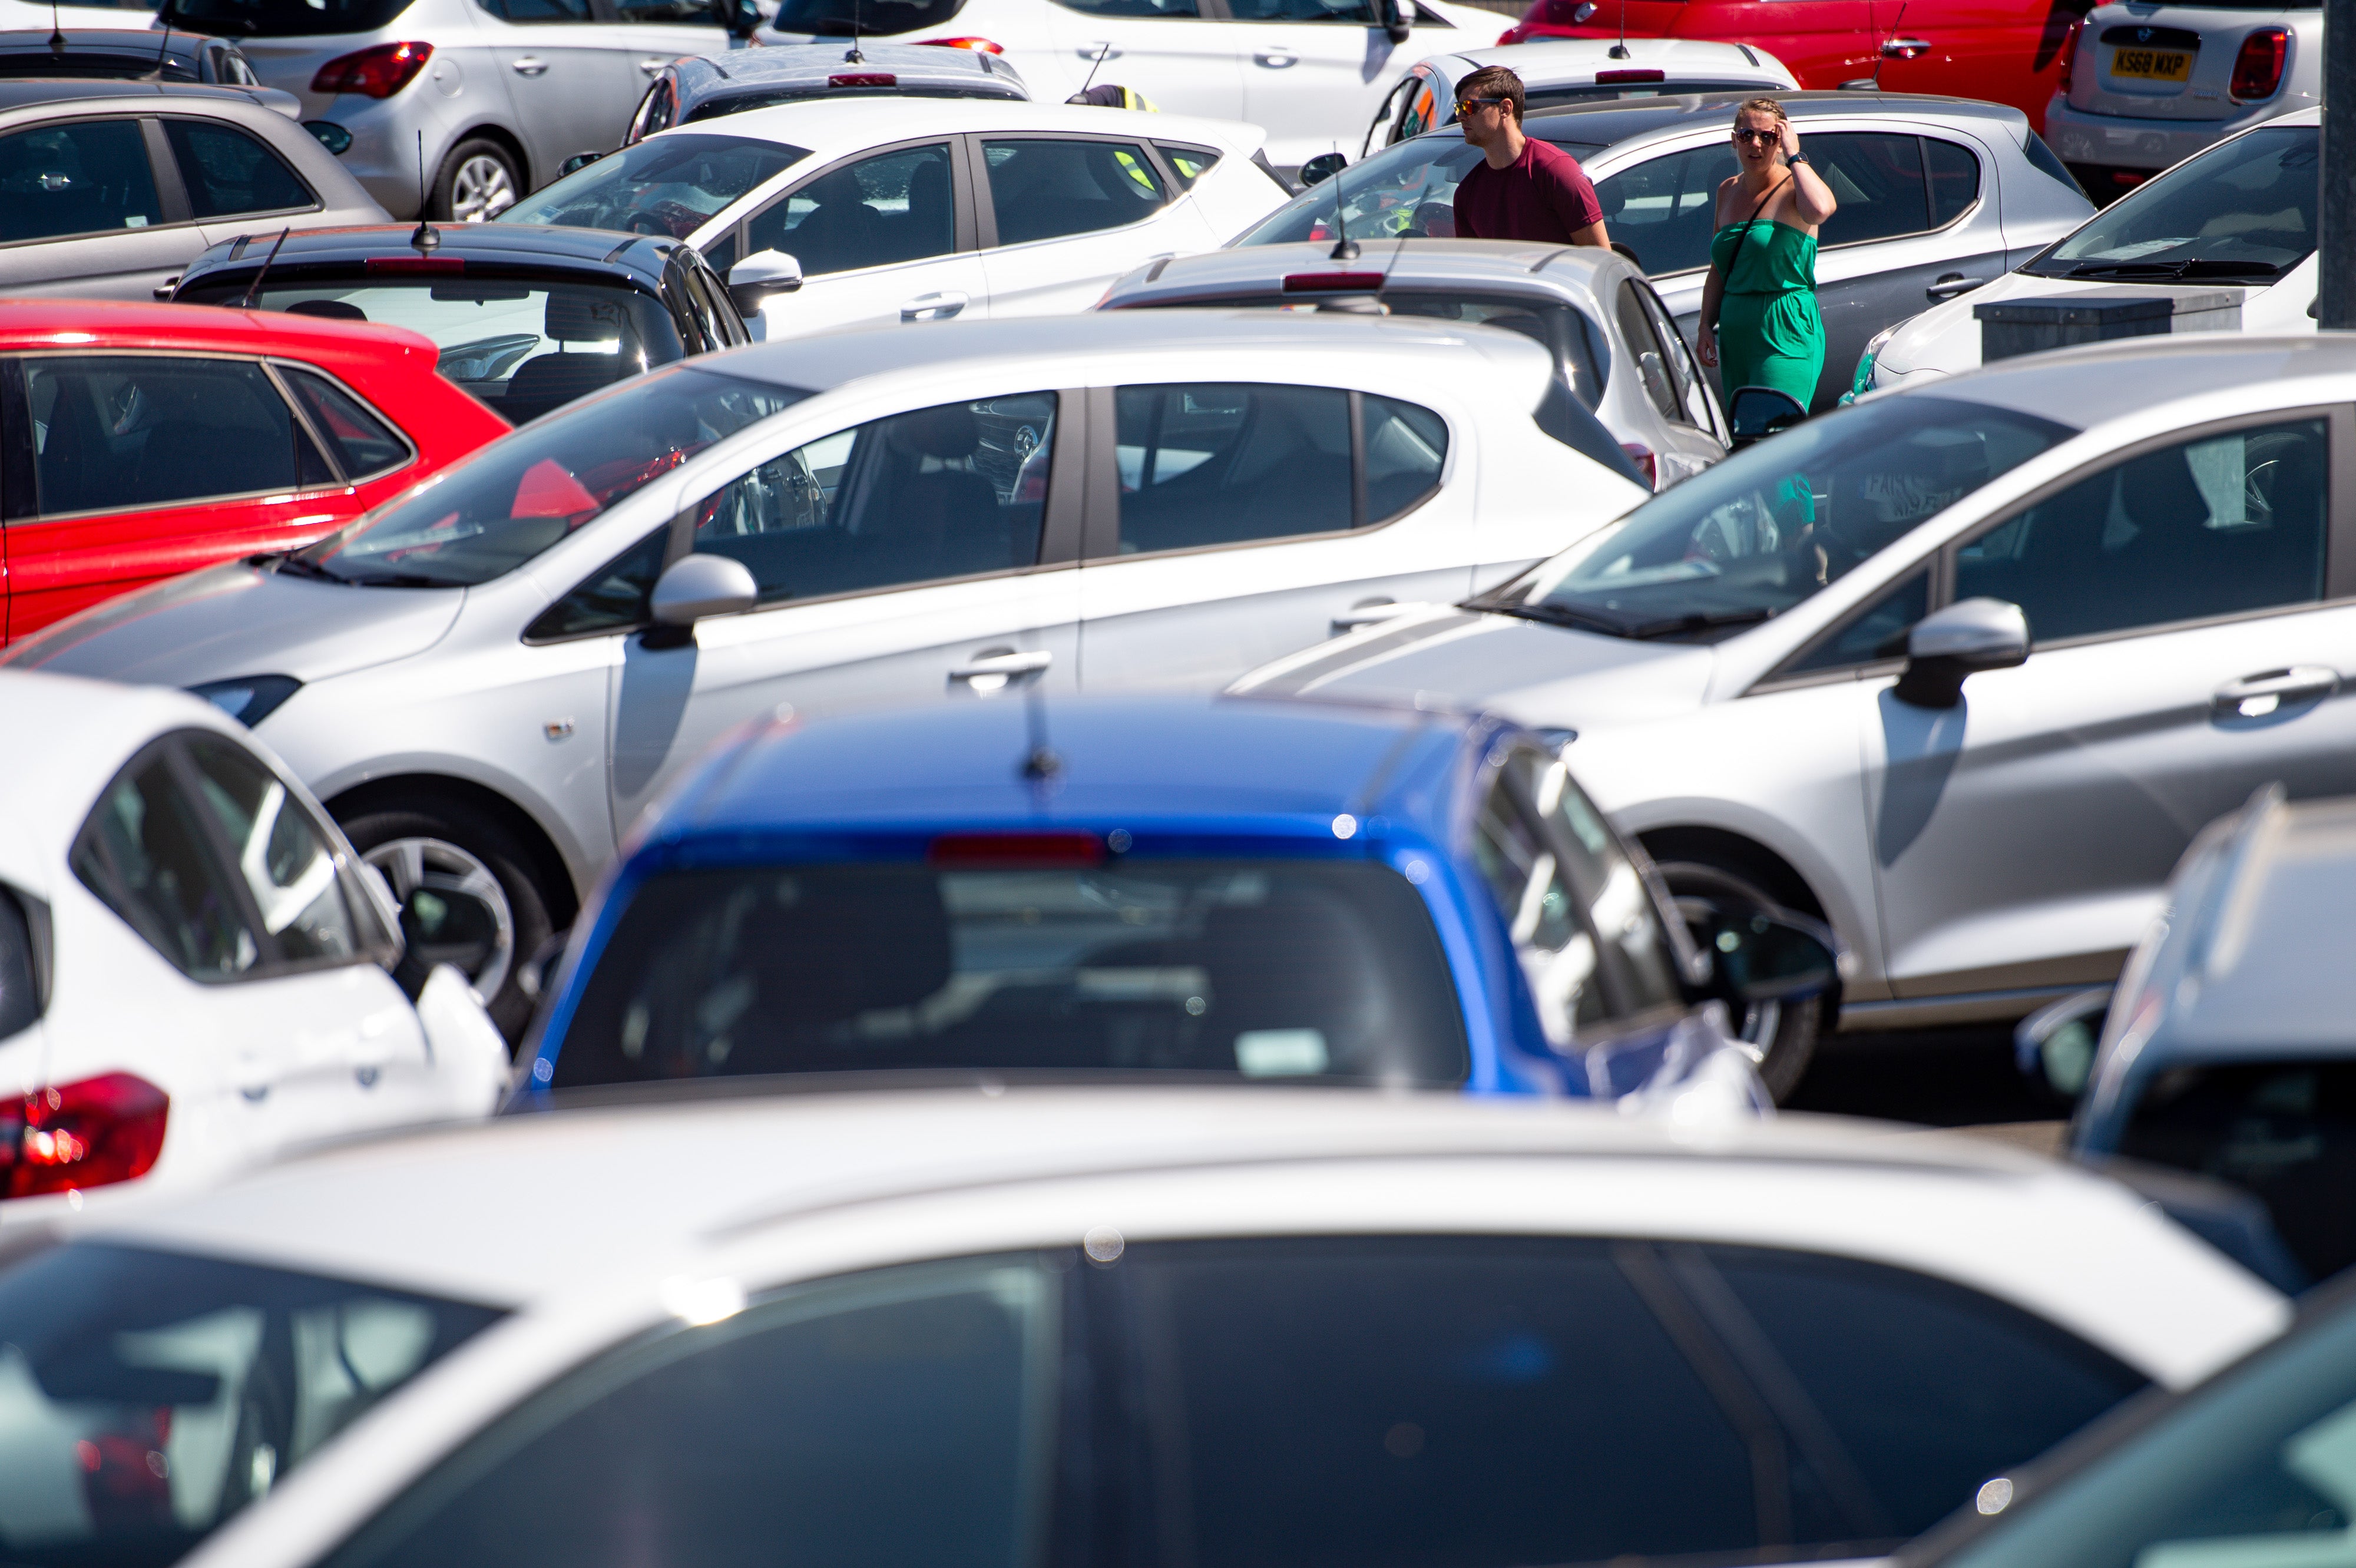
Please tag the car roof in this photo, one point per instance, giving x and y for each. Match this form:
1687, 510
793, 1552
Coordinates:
1526, 266
1607, 124
510, 247
1546, 62
2080, 387
781, 64
831, 126
123, 324
126, 41
25, 93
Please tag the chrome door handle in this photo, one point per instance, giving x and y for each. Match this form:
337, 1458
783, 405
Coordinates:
2255, 696
650, 67
529, 64
982, 665
1099, 51
1276, 59
1951, 286
164, 290
1905, 49
1367, 614
934, 306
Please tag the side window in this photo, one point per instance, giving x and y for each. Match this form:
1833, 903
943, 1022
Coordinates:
899, 1417
894, 207
655, 113
1225, 463
1541, 912
1406, 447
1877, 179
80, 178
539, 10
1189, 164
2212, 527
1693, 404
614, 598
722, 253
145, 854
1651, 364
282, 852
1422, 109
937, 492
1147, 8
1043, 189
1666, 209
363, 443
667, 12
1955, 173
228, 173
1360, 12
122, 431
1877, 632
20, 979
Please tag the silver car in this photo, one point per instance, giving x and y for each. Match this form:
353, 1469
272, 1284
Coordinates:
2137, 552
699, 87
1937, 196
1609, 332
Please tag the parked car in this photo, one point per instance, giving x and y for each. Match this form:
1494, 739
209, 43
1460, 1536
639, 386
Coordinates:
1936, 197
1574, 71
16, 13
525, 319
108, 188
2237, 219
922, 515
1574, 1334
857, 213
123, 53
173, 439
2013, 52
195, 972
2147, 86
1610, 336
695, 88
2122, 540
501, 92
1308, 74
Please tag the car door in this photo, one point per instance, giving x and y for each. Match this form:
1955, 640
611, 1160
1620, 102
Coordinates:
650, 34
922, 555
884, 237
1313, 70
1063, 216
92, 208
2003, 51
1185, 55
1825, 42
569, 75
1239, 527
234, 183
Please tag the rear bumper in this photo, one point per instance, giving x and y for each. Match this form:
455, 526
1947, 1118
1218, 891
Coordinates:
2086, 140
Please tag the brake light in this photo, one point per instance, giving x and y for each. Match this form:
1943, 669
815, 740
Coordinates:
1017, 849
89, 1134
1646, 464
1512, 35
2070, 55
863, 78
377, 71
1638, 73
1317, 283
2258, 69
984, 44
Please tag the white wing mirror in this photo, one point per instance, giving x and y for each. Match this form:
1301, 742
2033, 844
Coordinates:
697, 588
761, 274
1968, 636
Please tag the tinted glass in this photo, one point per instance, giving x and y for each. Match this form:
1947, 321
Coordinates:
2243, 210
80, 178
2212, 527
1043, 189
228, 172
20, 988
891, 1421
282, 853
2283, 1130
1879, 632
2045, 161
1955, 178
1358, 11
144, 431
670, 186
1652, 363
154, 1395
1877, 180
145, 853
489, 514
1133, 7
1693, 391
938, 492
613, 597
363, 443
894, 207
282, 18
1419, 109
539, 10
1275, 969
1189, 164
1406, 447
1580, 350
1226, 463
1409, 189
1664, 208
881, 18
1539, 97
667, 12
1752, 536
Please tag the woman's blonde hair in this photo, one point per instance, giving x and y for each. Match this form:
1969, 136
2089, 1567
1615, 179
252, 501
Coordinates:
1761, 106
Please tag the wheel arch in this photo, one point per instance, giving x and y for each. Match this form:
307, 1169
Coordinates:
408, 791
1735, 852
492, 131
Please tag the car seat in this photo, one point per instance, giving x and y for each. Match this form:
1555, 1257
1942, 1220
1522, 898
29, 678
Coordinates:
929, 514
1302, 963
855, 942
550, 380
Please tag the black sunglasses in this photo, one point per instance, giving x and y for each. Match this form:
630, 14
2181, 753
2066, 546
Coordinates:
1466, 105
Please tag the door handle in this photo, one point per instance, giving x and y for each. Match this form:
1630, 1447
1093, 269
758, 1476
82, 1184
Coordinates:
1100, 52
983, 665
1366, 613
254, 1093
529, 64
164, 290
367, 1076
1905, 49
934, 306
650, 67
2255, 696
1275, 58
1952, 285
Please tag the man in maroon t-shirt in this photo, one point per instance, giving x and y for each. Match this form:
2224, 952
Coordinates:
1523, 189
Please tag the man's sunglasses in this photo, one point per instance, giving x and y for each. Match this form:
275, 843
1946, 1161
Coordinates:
1466, 105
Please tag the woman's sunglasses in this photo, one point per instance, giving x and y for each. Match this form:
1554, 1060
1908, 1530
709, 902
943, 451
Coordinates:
1747, 134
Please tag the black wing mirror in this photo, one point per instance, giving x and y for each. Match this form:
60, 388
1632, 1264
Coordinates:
738, 16
2054, 1047
1397, 18
1763, 955
1323, 167
576, 163
1949, 645
1756, 412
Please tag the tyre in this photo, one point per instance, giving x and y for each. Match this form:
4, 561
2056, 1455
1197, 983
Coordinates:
479, 181
1780, 1035
451, 848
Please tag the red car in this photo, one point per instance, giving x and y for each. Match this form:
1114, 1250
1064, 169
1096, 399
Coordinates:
2005, 51
140, 441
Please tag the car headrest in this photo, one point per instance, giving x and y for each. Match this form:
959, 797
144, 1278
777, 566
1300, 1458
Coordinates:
949, 432
327, 309
847, 943
2158, 492
577, 315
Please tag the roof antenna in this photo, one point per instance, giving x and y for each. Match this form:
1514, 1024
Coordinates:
255, 286
1090, 79
423, 238
1345, 249
56, 34
1385, 281
1620, 49
1879, 56
853, 56
162, 49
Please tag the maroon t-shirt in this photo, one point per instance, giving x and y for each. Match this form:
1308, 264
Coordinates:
1543, 195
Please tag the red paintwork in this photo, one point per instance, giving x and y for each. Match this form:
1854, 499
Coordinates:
49, 570
2006, 51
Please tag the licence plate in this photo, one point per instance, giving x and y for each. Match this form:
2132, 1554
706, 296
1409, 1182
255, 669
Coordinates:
2152, 65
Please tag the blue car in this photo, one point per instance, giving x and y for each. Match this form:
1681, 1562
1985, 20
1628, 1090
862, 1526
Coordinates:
1264, 889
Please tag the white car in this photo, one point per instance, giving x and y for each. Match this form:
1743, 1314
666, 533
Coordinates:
2238, 220
970, 1326
1311, 71
853, 213
508, 663
1575, 70
193, 962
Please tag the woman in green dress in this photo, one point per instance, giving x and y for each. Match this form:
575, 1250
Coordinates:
1759, 306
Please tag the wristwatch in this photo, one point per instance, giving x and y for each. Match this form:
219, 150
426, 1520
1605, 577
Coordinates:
1795, 158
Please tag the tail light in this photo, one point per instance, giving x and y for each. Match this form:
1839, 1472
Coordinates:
1636, 73
2070, 56
1512, 35
1646, 464
377, 71
984, 44
1030, 850
1323, 283
863, 78
87, 1133
2258, 69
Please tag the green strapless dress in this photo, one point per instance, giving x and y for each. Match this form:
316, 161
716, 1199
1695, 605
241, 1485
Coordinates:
1768, 334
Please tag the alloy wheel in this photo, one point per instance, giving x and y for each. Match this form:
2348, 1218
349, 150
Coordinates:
480, 189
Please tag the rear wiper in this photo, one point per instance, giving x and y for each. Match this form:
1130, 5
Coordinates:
1699, 621
1554, 614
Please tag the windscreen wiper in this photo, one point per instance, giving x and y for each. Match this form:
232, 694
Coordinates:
402, 580
2193, 268
1553, 615
1711, 620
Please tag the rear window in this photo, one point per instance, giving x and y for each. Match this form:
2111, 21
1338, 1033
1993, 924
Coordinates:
282, 18
770, 97
1277, 969
1588, 93
672, 185
871, 19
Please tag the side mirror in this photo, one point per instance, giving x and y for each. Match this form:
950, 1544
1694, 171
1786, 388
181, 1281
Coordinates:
1758, 955
2054, 1047
761, 274
1322, 168
442, 925
697, 588
1396, 18
1968, 636
738, 16
1756, 412
576, 163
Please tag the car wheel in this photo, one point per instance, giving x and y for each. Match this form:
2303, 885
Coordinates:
1780, 1036
445, 848
479, 181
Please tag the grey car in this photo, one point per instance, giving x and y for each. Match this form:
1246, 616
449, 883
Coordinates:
1609, 332
109, 189
2138, 552
1937, 196
698, 87
122, 53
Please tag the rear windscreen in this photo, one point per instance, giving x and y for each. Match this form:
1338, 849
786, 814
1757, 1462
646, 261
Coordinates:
1278, 969
770, 97
282, 18
865, 18
1588, 93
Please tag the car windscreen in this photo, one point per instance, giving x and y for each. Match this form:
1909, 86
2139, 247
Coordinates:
863, 18
281, 19
1283, 970
1750, 537
484, 516
149, 1395
665, 185
1409, 189
770, 97
2243, 212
